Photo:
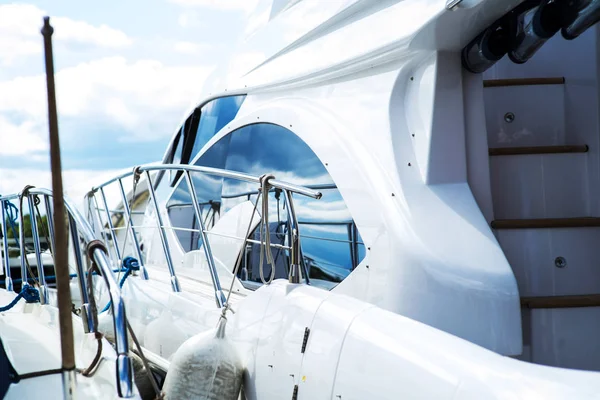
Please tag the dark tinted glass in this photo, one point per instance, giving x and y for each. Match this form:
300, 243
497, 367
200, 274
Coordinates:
331, 244
215, 115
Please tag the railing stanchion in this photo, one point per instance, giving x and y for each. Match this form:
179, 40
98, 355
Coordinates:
111, 251
131, 230
8, 282
111, 228
163, 236
294, 239
23, 253
86, 316
37, 247
50, 224
219, 296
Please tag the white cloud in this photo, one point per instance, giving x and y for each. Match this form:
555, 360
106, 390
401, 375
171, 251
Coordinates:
20, 138
190, 47
79, 31
244, 5
146, 98
76, 182
20, 35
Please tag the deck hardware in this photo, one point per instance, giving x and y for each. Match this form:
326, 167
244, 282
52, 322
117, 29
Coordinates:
509, 117
305, 339
451, 4
560, 262
295, 393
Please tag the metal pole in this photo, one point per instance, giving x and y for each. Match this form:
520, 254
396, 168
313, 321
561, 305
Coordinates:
219, 296
163, 237
96, 214
294, 237
111, 227
136, 244
50, 225
88, 325
38, 250
22, 251
8, 281
62, 245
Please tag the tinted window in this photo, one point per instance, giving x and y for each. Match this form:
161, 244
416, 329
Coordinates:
331, 244
215, 115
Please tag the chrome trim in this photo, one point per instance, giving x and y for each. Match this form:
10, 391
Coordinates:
8, 282
217, 172
111, 228
163, 236
219, 296
88, 325
295, 275
143, 271
38, 250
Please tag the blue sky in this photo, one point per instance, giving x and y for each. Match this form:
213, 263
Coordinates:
126, 73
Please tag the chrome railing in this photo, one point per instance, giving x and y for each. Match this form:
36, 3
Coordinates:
94, 215
81, 233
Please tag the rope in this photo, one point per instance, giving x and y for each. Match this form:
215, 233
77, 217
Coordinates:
136, 178
238, 262
130, 264
13, 215
264, 223
89, 371
29, 293
151, 377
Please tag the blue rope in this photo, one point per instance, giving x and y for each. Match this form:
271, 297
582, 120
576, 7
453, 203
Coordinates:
50, 277
29, 293
13, 215
130, 264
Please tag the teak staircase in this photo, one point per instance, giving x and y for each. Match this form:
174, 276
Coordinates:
555, 301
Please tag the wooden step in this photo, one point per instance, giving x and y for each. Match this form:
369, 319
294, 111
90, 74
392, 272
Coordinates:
586, 300
523, 82
544, 223
516, 151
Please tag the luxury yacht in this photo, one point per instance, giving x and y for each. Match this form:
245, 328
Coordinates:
384, 199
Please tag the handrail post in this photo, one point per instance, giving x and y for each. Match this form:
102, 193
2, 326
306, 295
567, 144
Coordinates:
163, 236
294, 238
97, 214
88, 324
50, 222
124, 363
23, 253
38, 250
111, 227
219, 296
131, 230
8, 282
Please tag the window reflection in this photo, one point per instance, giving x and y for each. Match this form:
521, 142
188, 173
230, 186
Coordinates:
331, 244
215, 115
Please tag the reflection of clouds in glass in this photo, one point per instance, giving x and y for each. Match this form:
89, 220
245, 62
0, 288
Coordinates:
324, 212
327, 246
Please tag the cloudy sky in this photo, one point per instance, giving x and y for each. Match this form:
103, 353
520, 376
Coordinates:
126, 71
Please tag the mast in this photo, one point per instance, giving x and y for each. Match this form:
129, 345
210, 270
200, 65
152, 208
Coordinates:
59, 215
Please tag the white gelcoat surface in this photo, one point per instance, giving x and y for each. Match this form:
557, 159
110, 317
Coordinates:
31, 339
422, 205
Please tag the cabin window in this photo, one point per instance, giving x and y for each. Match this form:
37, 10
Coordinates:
200, 127
215, 115
331, 245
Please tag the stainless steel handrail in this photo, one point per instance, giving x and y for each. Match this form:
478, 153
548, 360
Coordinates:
80, 228
216, 172
287, 188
